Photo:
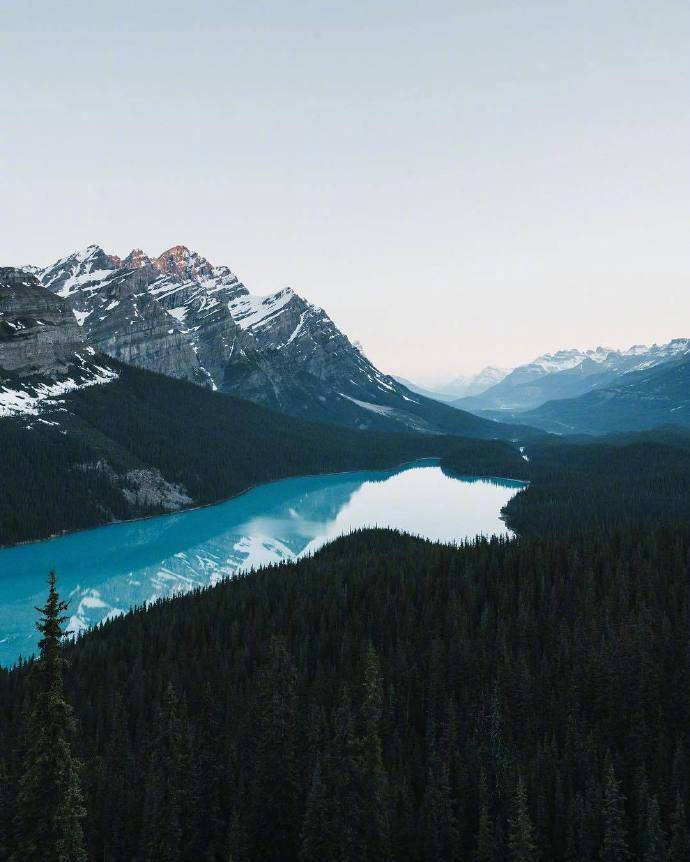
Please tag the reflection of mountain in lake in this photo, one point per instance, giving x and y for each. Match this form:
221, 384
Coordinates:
107, 570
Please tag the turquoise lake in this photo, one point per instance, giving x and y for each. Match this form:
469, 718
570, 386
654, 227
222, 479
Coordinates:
105, 571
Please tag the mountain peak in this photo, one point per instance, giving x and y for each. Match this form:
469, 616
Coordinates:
136, 259
182, 262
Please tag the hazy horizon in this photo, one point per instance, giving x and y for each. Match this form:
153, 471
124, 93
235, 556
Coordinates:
457, 187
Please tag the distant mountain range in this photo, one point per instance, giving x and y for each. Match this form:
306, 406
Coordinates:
567, 374
475, 384
638, 400
179, 315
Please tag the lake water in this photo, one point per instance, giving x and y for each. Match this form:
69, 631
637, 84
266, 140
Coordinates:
105, 571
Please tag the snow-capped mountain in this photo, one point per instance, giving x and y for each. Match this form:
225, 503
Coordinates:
657, 393
569, 374
43, 353
475, 384
180, 315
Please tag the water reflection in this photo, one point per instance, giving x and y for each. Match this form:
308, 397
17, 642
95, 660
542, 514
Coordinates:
107, 570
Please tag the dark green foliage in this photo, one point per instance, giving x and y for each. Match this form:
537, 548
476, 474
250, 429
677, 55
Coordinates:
212, 444
49, 805
655, 839
679, 848
391, 693
575, 486
523, 847
614, 847
276, 788
488, 458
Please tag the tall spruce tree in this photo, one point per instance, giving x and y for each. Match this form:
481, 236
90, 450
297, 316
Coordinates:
614, 847
49, 805
276, 789
680, 840
485, 832
375, 827
316, 842
655, 839
523, 847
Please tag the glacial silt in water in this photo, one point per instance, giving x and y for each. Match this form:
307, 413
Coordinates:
105, 571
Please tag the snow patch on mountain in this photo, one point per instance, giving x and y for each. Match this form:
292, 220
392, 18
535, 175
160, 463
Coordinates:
29, 398
253, 312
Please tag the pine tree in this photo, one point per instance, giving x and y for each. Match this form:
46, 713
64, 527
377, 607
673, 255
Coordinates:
614, 847
276, 789
316, 844
485, 832
50, 805
521, 841
375, 829
341, 773
4, 811
162, 826
655, 840
679, 850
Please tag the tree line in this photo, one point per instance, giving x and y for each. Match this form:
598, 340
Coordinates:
390, 699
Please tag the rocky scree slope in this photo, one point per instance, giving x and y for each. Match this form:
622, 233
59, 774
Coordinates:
179, 315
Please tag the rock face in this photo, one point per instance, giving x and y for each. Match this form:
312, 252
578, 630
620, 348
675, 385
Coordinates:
38, 332
180, 315
43, 352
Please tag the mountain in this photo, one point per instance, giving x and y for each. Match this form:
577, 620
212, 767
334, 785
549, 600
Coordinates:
475, 384
76, 453
43, 353
658, 394
179, 315
567, 374
421, 390
147, 444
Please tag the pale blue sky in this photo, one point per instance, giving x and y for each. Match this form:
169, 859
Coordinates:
457, 183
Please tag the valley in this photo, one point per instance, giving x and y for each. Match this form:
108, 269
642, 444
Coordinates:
106, 571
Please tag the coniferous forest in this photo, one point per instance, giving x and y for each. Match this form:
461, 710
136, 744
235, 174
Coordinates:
394, 699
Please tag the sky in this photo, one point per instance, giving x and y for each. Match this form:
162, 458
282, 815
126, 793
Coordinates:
457, 182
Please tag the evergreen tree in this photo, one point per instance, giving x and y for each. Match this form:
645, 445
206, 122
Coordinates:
655, 840
374, 841
4, 811
316, 831
276, 790
50, 806
523, 847
614, 846
162, 818
679, 850
485, 833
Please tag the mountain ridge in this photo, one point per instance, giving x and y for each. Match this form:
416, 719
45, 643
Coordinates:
180, 315
568, 374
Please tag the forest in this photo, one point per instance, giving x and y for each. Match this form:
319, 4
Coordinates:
395, 699
67, 469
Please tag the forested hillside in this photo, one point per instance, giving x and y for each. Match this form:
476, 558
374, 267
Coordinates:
391, 699
147, 443
619, 480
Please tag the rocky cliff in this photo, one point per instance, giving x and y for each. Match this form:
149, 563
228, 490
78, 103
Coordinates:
180, 315
43, 352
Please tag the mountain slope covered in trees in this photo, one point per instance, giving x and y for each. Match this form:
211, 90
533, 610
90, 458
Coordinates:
391, 699
147, 444
394, 699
